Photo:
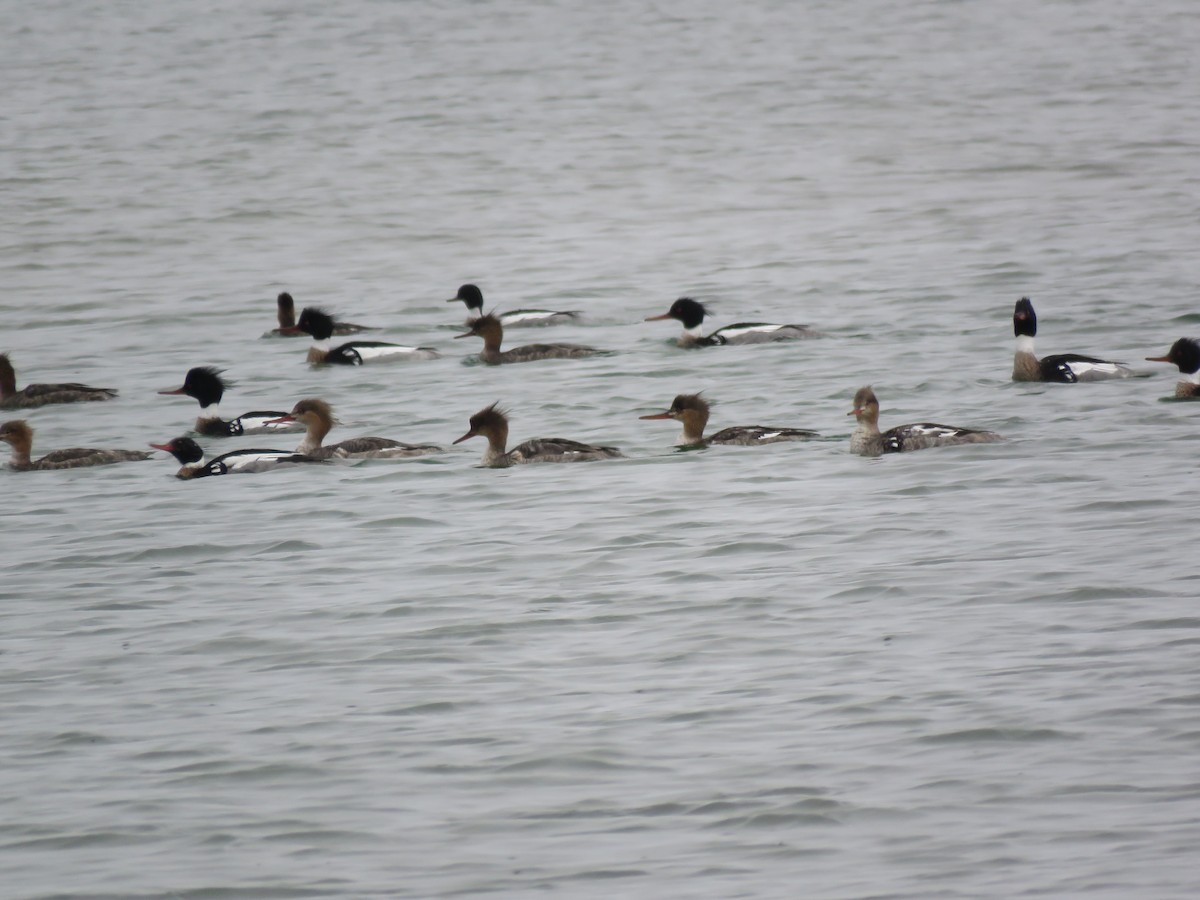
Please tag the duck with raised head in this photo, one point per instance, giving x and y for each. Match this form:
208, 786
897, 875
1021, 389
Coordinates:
191, 456
33, 395
492, 423
206, 386
472, 296
489, 328
18, 435
1185, 354
691, 411
317, 418
318, 324
868, 441
285, 310
1065, 368
691, 314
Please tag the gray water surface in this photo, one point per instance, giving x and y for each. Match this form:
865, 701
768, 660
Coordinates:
742, 672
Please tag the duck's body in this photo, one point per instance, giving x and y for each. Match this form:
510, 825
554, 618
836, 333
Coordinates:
867, 440
489, 328
19, 436
1185, 354
205, 385
189, 453
316, 416
692, 411
286, 312
472, 296
492, 423
34, 395
1064, 368
319, 325
691, 314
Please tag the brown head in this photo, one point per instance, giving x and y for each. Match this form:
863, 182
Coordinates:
487, 327
17, 433
491, 422
866, 407
689, 409
286, 310
8, 378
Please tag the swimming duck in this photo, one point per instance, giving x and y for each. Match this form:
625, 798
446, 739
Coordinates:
188, 452
206, 386
286, 313
489, 328
867, 440
472, 296
691, 313
492, 423
319, 325
19, 436
33, 395
1066, 368
317, 417
692, 411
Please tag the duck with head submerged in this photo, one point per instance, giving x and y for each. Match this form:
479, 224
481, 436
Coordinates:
206, 386
492, 423
34, 395
1065, 368
191, 456
868, 441
19, 436
489, 328
1185, 354
691, 314
319, 325
317, 417
472, 296
286, 313
691, 410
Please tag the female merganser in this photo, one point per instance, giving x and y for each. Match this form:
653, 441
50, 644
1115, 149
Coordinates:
207, 387
514, 318
489, 328
867, 441
319, 325
286, 312
692, 410
188, 452
1184, 353
492, 423
41, 394
691, 313
317, 417
1067, 368
19, 436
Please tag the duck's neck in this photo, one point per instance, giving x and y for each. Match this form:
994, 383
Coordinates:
8, 379
866, 439
692, 335
287, 317
1025, 361
317, 429
318, 351
495, 455
693, 421
20, 455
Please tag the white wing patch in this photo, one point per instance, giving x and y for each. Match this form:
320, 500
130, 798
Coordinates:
1085, 370
395, 351
526, 315
736, 331
246, 460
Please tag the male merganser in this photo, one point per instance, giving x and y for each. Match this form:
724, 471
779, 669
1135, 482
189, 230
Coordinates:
1184, 353
206, 386
286, 312
492, 423
19, 436
317, 417
513, 318
867, 441
188, 452
41, 394
691, 313
319, 325
489, 328
1067, 368
692, 410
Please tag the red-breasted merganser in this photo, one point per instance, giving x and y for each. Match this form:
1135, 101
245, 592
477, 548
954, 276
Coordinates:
1066, 368
319, 325
317, 417
692, 411
42, 394
489, 328
286, 312
207, 387
189, 453
492, 423
19, 436
867, 441
472, 296
691, 313
1184, 353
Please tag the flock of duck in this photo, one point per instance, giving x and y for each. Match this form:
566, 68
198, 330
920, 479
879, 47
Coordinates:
315, 417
